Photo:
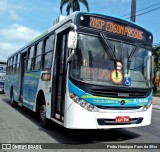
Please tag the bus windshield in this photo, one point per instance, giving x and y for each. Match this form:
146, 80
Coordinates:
92, 64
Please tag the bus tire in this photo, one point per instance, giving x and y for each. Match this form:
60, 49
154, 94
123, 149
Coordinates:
13, 103
44, 121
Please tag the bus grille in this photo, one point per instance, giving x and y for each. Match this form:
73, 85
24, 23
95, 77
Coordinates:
118, 108
119, 93
103, 122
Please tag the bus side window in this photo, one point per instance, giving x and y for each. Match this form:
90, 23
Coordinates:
8, 66
11, 65
31, 53
37, 58
18, 59
15, 64
48, 52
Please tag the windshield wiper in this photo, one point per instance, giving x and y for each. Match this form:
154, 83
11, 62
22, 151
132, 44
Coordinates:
129, 57
110, 52
132, 53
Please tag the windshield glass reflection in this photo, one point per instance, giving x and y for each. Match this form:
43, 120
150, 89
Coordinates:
92, 64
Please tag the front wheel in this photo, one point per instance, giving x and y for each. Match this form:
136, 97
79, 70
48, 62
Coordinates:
44, 121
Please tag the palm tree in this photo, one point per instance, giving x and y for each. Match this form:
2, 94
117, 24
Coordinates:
73, 5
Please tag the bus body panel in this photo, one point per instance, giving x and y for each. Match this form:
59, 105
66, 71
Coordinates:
45, 88
31, 87
79, 118
7, 85
29, 91
12, 81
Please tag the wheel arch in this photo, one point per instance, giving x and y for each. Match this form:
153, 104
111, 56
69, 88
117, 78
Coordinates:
39, 98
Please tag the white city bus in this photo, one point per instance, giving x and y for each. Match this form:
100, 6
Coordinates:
88, 71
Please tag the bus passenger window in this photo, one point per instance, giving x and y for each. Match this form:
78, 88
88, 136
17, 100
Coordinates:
37, 59
7, 66
31, 53
11, 65
47, 56
18, 59
15, 64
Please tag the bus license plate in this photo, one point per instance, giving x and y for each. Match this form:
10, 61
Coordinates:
122, 119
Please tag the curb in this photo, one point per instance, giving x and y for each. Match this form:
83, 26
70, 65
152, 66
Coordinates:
156, 107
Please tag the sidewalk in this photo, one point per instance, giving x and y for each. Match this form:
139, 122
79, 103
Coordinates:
156, 102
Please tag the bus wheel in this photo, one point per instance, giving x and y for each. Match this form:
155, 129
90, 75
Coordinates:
42, 114
13, 103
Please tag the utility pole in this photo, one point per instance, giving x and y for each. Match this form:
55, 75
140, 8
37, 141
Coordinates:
133, 11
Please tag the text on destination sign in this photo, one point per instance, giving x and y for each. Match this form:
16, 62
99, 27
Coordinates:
115, 28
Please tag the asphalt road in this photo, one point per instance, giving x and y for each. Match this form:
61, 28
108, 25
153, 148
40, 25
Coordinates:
20, 125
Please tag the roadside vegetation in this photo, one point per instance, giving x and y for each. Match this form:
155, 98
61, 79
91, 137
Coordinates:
157, 93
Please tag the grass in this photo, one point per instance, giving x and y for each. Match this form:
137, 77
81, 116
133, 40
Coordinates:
157, 93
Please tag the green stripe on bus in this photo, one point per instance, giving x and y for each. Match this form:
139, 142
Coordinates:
40, 36
91, 97
32, 75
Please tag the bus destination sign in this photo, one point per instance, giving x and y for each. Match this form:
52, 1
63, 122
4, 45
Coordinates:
111, 26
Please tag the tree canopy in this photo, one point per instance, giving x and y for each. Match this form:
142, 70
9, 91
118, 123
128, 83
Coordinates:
73, 5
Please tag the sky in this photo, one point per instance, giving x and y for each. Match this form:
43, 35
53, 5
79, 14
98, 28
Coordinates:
23, 20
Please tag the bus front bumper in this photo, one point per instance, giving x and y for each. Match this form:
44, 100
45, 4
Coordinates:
79, 118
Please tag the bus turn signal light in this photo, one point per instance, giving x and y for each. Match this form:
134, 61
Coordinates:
46, 76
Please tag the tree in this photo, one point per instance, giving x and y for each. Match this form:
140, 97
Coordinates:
156, 54
73, 5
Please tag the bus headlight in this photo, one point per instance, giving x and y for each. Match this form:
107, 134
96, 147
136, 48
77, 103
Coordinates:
82, 102
90, 107
76, 99
146, 107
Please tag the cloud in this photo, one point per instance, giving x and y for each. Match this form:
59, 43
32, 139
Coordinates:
7, 49
14, 15
18, 32
11, 9
14, 37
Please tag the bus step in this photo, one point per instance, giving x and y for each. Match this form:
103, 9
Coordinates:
57, 121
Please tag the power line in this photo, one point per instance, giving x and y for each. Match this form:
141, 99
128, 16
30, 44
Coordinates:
145, 12
143, 9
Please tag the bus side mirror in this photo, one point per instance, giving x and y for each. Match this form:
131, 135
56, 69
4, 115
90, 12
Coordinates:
72, 44
72, 40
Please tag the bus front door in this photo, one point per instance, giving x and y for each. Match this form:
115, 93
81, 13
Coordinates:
59, 76
21, 78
